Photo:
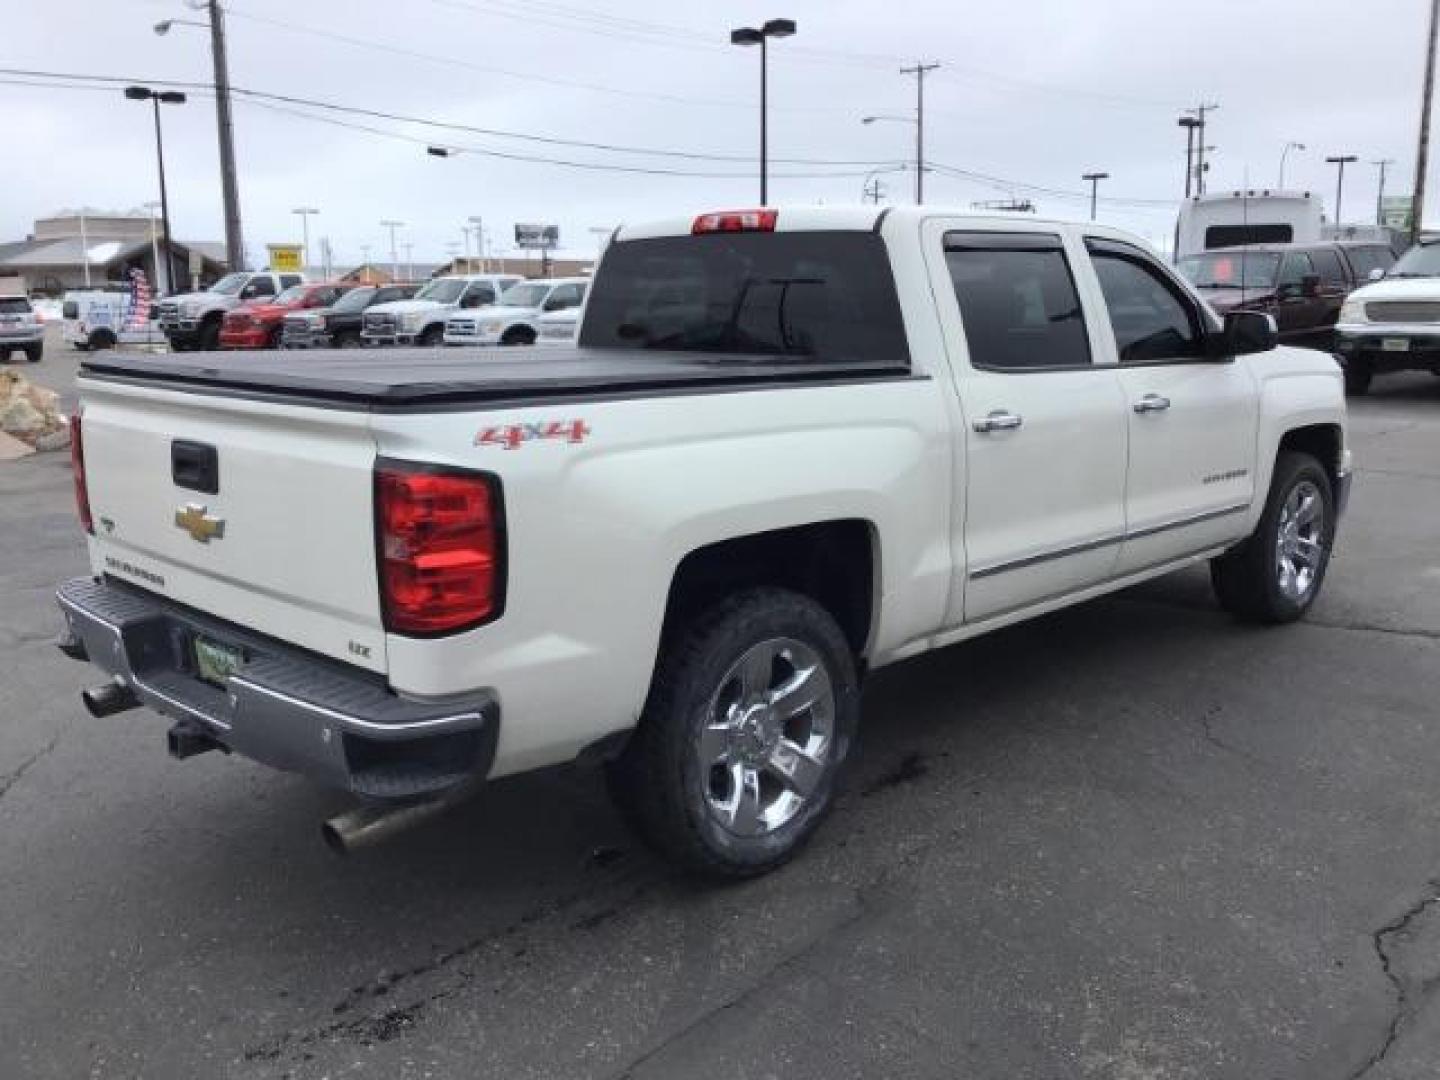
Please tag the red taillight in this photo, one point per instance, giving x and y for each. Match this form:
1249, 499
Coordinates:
77, 466
440, 546
735, 221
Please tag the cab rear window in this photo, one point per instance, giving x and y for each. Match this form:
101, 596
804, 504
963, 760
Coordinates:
826, 297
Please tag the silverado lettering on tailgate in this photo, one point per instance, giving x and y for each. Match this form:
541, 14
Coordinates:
131, 570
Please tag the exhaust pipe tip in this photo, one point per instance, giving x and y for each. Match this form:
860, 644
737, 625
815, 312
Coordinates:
374, 823
109, 698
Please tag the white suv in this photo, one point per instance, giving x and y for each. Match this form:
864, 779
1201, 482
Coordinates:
20, 329
515, 319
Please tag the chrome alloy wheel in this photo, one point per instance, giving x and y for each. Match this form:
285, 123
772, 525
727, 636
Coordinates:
1300, 541
767, 737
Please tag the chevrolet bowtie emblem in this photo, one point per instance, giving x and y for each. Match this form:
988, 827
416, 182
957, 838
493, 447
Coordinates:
200, 525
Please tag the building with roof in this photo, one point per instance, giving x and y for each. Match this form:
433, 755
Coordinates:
76, 248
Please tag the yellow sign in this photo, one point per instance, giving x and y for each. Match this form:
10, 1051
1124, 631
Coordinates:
285, 257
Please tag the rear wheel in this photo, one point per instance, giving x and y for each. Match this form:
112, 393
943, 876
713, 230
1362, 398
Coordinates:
748, 723
210, 335
349, 339
1276, 574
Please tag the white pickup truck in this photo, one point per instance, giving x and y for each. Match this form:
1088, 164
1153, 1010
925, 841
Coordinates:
791, 446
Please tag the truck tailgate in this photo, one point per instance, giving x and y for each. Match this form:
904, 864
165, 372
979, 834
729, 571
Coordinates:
283, 544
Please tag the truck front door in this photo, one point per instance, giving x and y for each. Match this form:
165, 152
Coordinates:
1192, 418
1043, 483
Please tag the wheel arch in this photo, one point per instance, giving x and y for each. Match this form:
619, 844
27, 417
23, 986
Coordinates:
1324, 442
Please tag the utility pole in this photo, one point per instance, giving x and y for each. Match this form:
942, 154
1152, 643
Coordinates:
1189, 123
409, 261
1422, 151
394, 254
919, 71
1382, 165
229, 189
365, 264
1340, 161
1094, 179
1200, 166
751, 35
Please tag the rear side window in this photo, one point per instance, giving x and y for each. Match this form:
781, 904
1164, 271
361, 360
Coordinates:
1295, 267
1366, 260
14, 305
1017, 301
287, 280
1327, 265
822, 297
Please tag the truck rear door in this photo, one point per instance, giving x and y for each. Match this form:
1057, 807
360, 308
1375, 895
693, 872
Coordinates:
256, 512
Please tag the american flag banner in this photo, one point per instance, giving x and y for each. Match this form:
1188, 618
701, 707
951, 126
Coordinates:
141, 298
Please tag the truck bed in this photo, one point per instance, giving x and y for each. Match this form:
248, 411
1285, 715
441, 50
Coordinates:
420, 379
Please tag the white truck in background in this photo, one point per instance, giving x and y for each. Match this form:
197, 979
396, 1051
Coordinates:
192, 320
421, 319
791, 447
515, 318
1256, 216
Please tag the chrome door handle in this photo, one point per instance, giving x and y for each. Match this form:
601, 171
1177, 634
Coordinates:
999, 420
1152, 403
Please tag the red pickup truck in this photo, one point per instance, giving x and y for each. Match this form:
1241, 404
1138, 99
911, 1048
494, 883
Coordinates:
259, 323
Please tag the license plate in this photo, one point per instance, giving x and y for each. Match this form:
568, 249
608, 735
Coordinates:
214, 663
1395, 344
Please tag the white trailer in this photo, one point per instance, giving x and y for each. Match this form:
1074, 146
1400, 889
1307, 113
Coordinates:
1234, 218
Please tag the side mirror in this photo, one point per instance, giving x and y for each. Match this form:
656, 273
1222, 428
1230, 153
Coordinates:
1310, 285
1376, 274
1245, 332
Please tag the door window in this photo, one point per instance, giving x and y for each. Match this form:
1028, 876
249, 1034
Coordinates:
1017, 301
564, 296
1294, 269
261, 286
478, 295
1327, 265
1151, 319
287, 280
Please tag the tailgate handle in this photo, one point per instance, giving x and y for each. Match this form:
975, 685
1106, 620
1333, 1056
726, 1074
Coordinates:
195, 466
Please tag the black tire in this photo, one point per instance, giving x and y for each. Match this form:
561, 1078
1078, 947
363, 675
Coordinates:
518, 335
659, 781
102, 339
431, 337
1358, 376
209, 337
1247, 579
34, 353
349, 339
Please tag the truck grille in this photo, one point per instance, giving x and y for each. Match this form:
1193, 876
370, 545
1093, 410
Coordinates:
169, 313
1403, 311
380, 324
297, 324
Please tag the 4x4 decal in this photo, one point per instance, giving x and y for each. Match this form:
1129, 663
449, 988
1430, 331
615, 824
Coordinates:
513, 436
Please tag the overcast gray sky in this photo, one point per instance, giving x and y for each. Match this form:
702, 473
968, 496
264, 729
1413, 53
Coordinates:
1031, 91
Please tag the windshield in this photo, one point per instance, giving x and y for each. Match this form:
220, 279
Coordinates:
354, 300
826, 297
1422, 260
1227, 269
442, 290
524, 295
230, 284
291, 295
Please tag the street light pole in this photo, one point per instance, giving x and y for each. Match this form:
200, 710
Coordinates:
305, 212
747, 36
479, 223
1283, 154
156, 97
1340, 161
394, 253
1094, 179
1189, 123
1382, 164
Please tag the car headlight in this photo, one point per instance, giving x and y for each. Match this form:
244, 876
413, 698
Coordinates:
492, 327
1353, 311
410, 322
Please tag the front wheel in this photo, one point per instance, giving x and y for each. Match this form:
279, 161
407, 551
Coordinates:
34, 353
1275, 575
1358, 376
748, 723
432, 337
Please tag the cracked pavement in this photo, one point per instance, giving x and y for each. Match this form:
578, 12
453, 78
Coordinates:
1132, 840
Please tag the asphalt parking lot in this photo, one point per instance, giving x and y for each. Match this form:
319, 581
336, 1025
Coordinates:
1132, 840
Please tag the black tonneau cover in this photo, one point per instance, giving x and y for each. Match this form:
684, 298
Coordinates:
416, 379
